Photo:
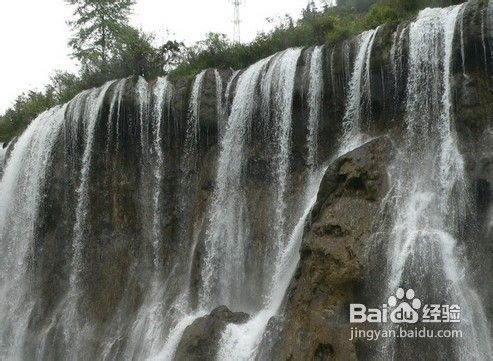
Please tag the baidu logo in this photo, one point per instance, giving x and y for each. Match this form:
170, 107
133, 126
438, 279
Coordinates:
405, 310
404, 307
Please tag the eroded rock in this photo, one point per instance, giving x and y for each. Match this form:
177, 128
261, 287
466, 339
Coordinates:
330, 271
200, 340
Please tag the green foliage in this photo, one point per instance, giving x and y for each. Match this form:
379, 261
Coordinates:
381, 14
97, 26
64, 86
26, 107
134, 53
314, 27
108, 48
357, 6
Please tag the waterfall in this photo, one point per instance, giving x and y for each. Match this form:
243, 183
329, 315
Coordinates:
224, 236
462, 49
484, 19
91, 114
227, 96
193, 121
226, 213
21, 192
429, 195
115, 109
358, 107
3, 150
277, 93
122, 223
241, 342
397, 57
219, 101
315, 93
162, 94
149, 327
92, 107
288, 253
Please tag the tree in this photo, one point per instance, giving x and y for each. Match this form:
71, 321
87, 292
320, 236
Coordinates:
96, 28
64, 86
135, 53
358, 6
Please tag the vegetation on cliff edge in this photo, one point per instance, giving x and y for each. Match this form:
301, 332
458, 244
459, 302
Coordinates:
107, 47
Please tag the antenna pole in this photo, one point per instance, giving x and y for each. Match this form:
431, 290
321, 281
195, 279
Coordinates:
236, 21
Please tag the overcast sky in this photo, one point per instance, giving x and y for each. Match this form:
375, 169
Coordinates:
34, 34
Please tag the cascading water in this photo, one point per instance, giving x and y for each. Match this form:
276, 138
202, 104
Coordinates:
219, 101
149, 326
143, 225
397, 57
22, 188
92, 111
429, 196
228, 223
358, 107
278, 98
315, 94
3, 150
193, 119
241, 342
93, 107
162, 93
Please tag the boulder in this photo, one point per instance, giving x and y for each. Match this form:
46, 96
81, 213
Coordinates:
200, 340
330, 271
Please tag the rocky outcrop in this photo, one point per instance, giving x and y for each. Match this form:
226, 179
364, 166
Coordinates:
330, 273
201, 339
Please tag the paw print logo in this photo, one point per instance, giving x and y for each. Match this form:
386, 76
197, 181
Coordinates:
405, 312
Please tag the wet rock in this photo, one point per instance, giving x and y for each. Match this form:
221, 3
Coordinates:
201, 339
330, 271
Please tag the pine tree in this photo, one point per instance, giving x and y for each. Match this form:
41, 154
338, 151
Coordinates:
96, 29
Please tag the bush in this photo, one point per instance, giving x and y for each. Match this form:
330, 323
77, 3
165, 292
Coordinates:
133, 51
380, 14
26, 107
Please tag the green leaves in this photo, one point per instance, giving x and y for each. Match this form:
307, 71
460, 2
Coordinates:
381, 14
96, 28
26, 107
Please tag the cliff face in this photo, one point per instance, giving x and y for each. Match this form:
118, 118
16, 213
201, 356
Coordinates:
286, 191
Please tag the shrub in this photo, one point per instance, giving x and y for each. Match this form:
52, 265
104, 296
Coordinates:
133, 52
380, 14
